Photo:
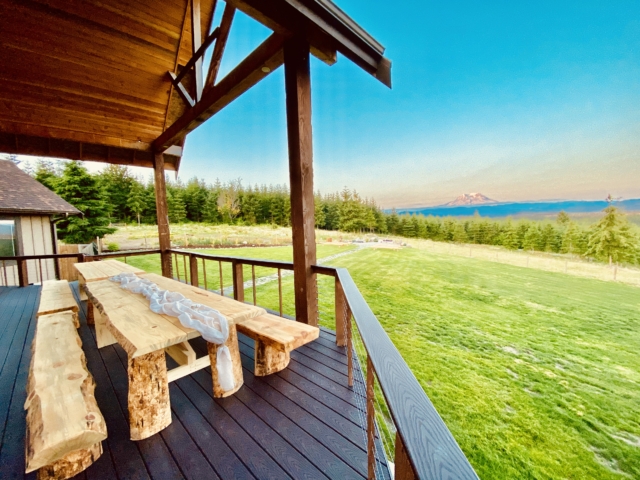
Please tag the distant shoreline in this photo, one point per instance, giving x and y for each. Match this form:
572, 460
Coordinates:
521, 208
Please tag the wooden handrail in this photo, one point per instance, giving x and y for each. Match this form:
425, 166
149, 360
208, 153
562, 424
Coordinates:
429, 445
237, 260
42, 257
423, 439
125, 253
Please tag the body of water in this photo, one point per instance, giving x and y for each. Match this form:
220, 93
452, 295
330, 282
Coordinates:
524, 208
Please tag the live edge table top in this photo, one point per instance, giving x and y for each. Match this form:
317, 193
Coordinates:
139, 330
95, 271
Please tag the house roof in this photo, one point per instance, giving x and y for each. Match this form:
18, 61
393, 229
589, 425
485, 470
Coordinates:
21, 194
90, 80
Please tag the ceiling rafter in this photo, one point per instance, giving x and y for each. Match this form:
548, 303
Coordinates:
257, 65
221, 43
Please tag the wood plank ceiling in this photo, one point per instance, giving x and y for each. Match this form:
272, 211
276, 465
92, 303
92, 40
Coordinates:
87, 79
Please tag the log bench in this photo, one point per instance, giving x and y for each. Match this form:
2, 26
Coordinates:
65, 428
56, 296
274, 338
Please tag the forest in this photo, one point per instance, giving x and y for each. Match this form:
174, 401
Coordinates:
115, 196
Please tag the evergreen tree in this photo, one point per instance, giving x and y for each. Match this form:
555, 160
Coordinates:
509, 236
195, 198
563, 218
175, 205
84, 192
393, 222
613, 238
149, 213
532, 238
573, 239
459, 234
211, 213
136, 200
117, 182
319, 213
47, 173
550, 239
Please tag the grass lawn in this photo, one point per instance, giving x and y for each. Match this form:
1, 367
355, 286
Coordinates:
537, 374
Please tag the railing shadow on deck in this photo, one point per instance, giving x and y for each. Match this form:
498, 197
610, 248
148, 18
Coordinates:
398, 411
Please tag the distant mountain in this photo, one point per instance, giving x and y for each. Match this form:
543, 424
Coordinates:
522, 208
470, 199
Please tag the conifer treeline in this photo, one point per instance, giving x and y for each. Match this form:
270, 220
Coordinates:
129, 199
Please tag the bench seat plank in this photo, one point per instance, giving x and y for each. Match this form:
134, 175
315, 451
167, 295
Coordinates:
63, 418
56, 296
275, 337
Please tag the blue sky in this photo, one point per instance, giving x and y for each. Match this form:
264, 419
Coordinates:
517, 100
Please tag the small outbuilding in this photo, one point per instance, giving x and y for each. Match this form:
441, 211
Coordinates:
28, 212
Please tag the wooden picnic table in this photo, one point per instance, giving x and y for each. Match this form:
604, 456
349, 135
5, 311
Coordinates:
101, 270
125, 317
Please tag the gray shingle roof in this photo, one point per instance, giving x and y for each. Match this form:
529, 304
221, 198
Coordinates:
21, 194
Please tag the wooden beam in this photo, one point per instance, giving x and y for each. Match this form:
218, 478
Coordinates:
177, 61
298, 105
221, 43
162, 214
184, 94
51, 143
196, 42
197, 55
260, 63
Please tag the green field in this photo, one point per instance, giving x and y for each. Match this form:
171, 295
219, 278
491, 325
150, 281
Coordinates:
537, 374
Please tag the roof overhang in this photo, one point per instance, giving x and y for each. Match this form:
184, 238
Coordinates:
327, 29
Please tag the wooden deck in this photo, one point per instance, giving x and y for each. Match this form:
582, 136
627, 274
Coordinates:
303, 422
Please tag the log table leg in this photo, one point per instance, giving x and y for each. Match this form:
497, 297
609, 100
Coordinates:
149, 405
90, 314
232, 344
71, 464
81, 284
269, 359
103, 336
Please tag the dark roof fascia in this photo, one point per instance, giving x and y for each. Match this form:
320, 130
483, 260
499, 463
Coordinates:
340, 15
351, 39
37, 213
322, 21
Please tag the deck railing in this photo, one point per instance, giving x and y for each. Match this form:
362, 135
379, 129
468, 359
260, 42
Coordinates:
399, 415
401, 422
23, 270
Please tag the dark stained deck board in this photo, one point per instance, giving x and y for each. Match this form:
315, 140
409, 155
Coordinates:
303, 422
282, 399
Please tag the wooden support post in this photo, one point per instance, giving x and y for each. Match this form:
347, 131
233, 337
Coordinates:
162, 213
371, 423
196, 41
298, 103
23, 273
193, 270
342, 314
238, 281
90, 315
149, 404
403, 468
